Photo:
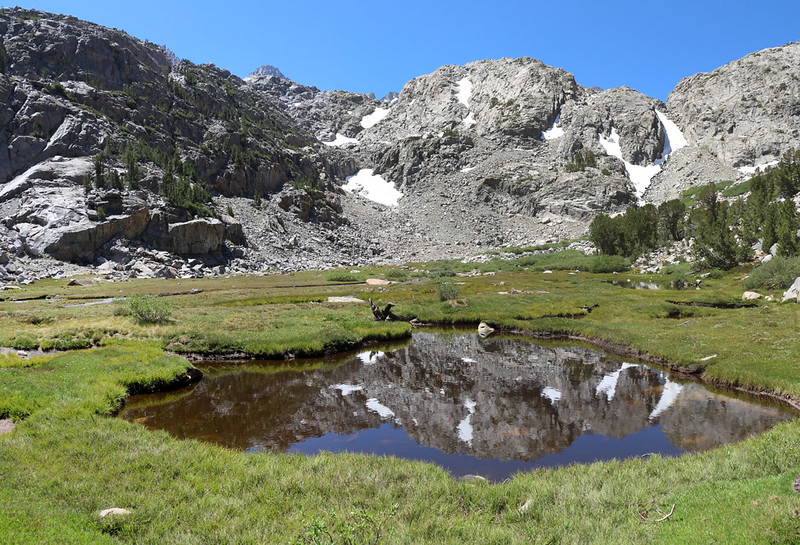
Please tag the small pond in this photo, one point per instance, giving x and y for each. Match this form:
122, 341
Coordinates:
491, 407
638, 285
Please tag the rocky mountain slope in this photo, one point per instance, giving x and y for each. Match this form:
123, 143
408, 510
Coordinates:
493, 153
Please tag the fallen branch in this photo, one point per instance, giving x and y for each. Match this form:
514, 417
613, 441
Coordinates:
645, 512
665, 517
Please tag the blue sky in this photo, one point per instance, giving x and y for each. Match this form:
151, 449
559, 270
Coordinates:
377, 46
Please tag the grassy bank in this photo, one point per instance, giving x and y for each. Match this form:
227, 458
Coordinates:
66, 459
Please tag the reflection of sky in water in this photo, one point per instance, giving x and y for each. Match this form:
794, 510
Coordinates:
485, 406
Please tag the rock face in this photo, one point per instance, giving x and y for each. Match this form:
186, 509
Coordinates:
742, 115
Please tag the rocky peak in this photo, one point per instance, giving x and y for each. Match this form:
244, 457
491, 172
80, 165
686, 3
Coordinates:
745, 112
268, 70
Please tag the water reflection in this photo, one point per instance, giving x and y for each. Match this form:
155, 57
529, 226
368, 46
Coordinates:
490, 406
637, 285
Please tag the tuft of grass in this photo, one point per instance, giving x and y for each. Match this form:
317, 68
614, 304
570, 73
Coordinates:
342, 277
148, 309
398, 275
448, 291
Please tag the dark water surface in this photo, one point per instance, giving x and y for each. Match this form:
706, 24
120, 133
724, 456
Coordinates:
491, 407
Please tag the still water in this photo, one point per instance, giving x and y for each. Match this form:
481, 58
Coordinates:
491, 407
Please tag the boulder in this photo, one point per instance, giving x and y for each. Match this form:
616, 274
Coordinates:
114, 511
195, 237
751, 296
793, 293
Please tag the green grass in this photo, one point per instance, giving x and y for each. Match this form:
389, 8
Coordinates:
66, 459
690, 196
737, 190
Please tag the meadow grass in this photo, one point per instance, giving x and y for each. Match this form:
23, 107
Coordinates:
66, 459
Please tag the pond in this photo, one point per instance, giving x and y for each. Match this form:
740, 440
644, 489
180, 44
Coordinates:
638, 285
492, 407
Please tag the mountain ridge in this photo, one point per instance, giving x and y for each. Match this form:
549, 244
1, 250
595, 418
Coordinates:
493, 153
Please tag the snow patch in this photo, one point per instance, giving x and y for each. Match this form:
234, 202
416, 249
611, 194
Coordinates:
467, 360
464, 91
468, 169
608, 385
469, 120
668, 397
383, 411
673, 137
640, 176
610, 143
465, 426
552, 394
346, 388
369, 121
373, 187
341, 140
555, 131
758, 168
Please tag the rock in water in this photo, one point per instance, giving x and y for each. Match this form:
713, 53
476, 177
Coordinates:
484, 329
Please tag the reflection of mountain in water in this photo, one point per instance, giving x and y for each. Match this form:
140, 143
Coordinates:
491, 398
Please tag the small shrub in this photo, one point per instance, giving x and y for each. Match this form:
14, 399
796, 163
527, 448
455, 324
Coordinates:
397, 275
677, 268
779, 273
448, 291
608, 264
149, 309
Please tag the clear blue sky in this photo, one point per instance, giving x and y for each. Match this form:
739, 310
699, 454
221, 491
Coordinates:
378, 46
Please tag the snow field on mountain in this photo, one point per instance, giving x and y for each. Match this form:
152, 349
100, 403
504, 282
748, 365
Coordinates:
370, 120
373, 187
555, 131
641, 176
341, 140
